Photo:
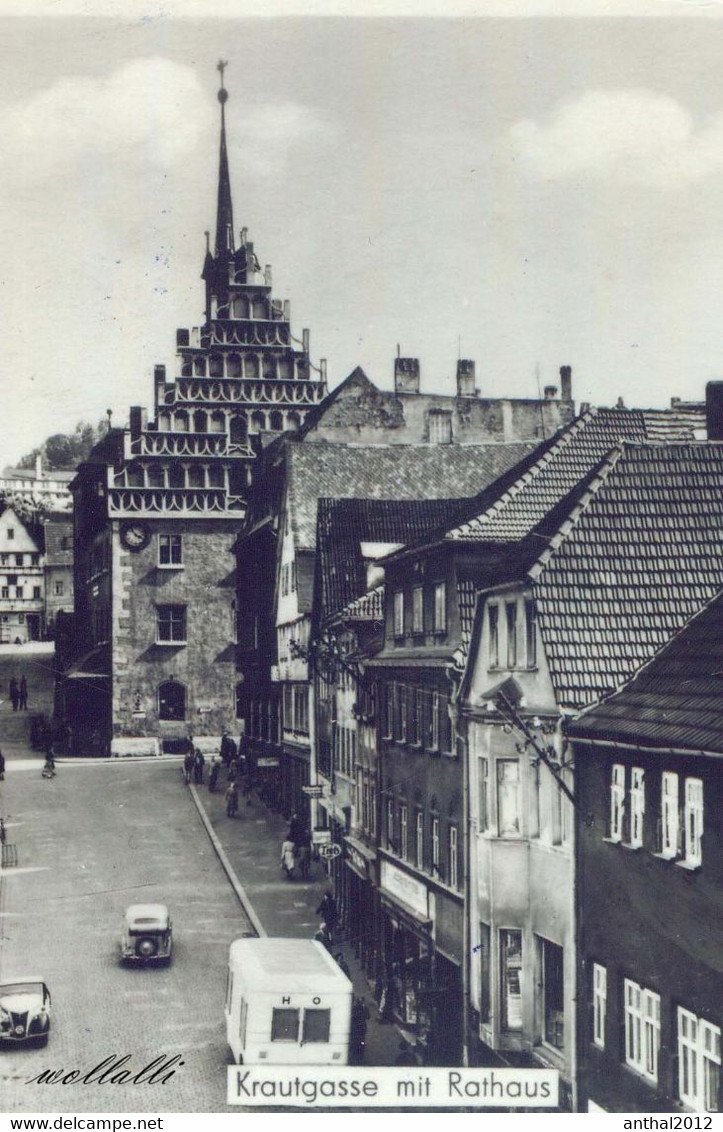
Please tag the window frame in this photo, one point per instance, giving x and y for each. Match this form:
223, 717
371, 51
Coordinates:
170, 543
439, 608
493, 625
530, 633
398, 614
637, 807
418, 610
704, 1046
599, 1004
669, 814
641, 1015
453, 856
511, 627
693, 821
617, 802
162, 618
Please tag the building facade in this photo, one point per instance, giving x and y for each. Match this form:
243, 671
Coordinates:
649, 871
22, 579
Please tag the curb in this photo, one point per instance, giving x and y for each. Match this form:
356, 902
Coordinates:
227, 866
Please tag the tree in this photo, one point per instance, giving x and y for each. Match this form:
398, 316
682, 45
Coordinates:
67, 450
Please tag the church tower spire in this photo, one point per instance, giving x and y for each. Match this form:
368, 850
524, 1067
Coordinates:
224, 210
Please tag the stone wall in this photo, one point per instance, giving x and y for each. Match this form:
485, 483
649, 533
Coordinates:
205, 664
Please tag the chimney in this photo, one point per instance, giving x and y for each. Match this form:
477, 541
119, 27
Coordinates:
566, 383
550, 392
159, 383
714, 409
465, 378
406, 375
138, 421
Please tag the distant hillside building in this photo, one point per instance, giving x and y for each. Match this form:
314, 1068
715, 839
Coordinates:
22, 582
49, 490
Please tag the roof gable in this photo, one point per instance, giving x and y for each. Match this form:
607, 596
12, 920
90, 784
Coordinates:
641, 554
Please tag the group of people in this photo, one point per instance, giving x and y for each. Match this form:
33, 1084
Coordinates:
18, 693
193, 764
296, 850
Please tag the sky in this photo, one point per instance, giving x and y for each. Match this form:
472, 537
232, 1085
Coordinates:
524, 190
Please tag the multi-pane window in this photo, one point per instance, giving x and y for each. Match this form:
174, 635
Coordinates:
170, 550
390, 823
553, 992
417, 717
511, 979
440, 607
699, 1062
599, 1004
617, 801
403, 831
508, 797
483, 770
693, 820
494, 626
637, 806
418, 609
440, 427
435, 845
399, 613
642, 1029
419, 840
171, 624
511, 615
402, 713
36, 591
530, 634
669, 815
453, 856
434, 744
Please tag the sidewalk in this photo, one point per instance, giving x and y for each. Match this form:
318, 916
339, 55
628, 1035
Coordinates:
252, 845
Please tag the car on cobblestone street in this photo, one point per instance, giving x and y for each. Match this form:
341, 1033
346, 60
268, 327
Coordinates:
24, 1010
148, 934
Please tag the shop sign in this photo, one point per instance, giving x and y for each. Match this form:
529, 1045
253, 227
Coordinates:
267, 761
321, 837
313, 791
410, 891
329, 851
356, 859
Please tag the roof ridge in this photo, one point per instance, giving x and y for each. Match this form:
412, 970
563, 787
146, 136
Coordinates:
530, 474
605, 467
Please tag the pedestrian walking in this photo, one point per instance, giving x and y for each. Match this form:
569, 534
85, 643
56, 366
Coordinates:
297, 828
228, 748
231, 798
188, 763
359, 1022
213, 774
2, 765
328, 910
14, 693
304, 857
23, 694
233, 769
288, 860
198, 764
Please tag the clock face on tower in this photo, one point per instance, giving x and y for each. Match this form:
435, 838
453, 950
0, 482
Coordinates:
135, 535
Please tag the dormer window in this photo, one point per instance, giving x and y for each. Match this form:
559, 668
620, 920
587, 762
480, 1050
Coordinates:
440, 427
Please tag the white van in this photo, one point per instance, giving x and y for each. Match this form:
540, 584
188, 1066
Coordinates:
287, 1002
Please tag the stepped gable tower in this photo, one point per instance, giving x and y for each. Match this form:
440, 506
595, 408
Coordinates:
159, 504
242, 379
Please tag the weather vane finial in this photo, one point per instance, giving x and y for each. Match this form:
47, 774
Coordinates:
221, 67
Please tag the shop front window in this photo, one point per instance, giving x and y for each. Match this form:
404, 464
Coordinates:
511, 979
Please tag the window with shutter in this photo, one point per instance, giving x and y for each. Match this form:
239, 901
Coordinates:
669, 815
599, 1004
693, 821
637, 806
617, 801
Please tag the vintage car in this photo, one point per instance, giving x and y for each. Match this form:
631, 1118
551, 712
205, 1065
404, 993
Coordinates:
148, 934
24, 1010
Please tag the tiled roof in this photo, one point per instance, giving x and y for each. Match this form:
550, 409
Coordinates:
344, 524
640, 555
572, 456
419, 471
681, 422
467, 603
676, 700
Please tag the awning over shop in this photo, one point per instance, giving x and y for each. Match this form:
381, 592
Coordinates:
86, 667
